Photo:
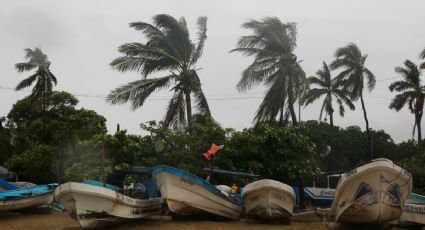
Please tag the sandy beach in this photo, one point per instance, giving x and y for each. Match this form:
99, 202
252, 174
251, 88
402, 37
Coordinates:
63, 221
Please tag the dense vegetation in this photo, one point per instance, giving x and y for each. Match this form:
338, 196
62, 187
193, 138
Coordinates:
45, 138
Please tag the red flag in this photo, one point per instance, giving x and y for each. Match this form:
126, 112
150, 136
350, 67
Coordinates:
210, 154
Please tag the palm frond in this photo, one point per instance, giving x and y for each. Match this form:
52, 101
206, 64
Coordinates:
400, 100
313, 95
202, 36
137, 91
371, 81
27, 82
24, 66
201, 103
149, 30
176, 110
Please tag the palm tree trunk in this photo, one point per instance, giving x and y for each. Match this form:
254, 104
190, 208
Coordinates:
291, 101
281, 116
369, 140
188, 107
418, 118
331, 118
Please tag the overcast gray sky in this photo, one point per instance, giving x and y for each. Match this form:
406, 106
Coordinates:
81, 39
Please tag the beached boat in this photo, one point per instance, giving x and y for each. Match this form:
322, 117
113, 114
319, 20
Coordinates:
268, 199
187, 194
414, 209
95, 204
24, 198
372, 193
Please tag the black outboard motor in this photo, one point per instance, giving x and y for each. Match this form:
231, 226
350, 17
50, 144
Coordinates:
137, 191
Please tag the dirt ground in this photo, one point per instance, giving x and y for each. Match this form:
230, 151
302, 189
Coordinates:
53, 221
17, 221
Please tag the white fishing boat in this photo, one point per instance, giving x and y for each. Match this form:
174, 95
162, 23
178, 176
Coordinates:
268, 199
372, 193
414, 209
94, 206
187, 194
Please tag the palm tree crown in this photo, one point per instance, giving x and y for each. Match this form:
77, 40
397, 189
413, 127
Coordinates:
328, 87
272, 44
353, 77
168, 47
412, 92
43, 77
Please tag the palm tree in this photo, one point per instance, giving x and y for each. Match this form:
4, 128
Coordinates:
43, 77
412, 92
331, 88
168, 48
272, 44
422, 55
353, 77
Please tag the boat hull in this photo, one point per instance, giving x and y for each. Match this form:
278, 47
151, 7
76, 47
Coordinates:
187, 194
414, 209
18, 203
94, 206
268, 200
372, 193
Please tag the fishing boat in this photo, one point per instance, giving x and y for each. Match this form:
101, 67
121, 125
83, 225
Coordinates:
372, 193
187, 194
321, 193
268, 199
414, 209
93, 204
24, 198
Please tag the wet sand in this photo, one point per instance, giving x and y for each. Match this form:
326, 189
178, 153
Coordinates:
63, 221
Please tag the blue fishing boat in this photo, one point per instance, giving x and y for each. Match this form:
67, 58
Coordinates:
22, 198
187, 194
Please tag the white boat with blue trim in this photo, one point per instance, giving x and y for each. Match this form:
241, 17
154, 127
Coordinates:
187, 194
95, 204
268, 200
414, 209
372, 193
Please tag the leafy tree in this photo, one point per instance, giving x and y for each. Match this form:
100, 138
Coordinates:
275, 152
272, 44
412, 92
168, 48
353, 77
414, 160
329, 87
43, 77
35, 164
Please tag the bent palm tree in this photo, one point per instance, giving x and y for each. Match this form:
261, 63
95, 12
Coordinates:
331, 88
353, 77
43, 77
272, 44
168, 48
412, 92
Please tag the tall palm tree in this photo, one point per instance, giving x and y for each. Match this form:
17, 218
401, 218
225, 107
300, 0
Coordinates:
43, 77
168, 48
354, 77
422, 55
272, 44
330, 88
412, 92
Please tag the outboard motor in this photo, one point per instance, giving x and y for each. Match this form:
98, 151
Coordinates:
137, 191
